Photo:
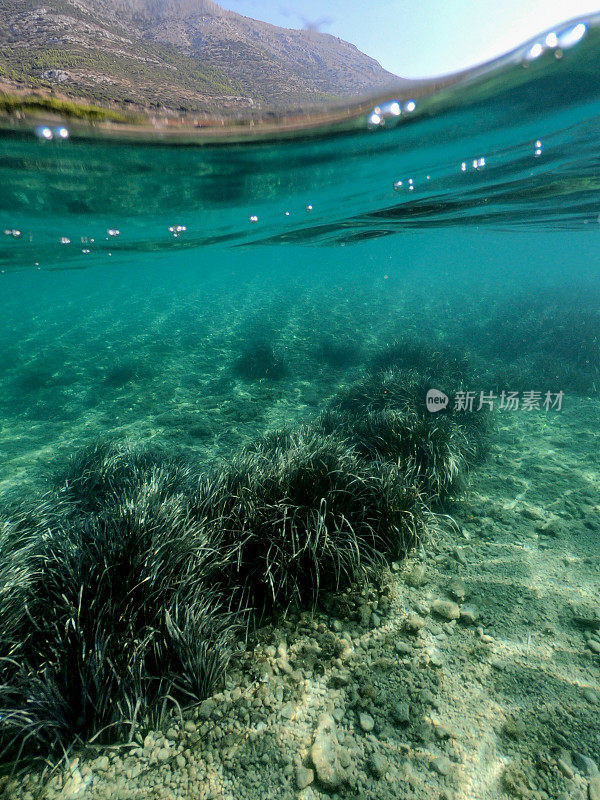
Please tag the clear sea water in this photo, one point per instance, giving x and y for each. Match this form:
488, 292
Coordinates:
138, 277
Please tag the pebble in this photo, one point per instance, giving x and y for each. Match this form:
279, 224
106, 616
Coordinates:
594, 646
414, 622
594, 788
379, 765
401, 713
590, 696
364, 615
469, 615
585, 764
304, 777
324, 754
446, 609
366, 721
207, 707
565, 768
416, 577
403, 648
435, 659
162, 753
441, 765
442, 732
457, 589
340, 680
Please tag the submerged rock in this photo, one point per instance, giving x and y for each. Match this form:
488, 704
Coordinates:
325, 754
366, 721
446, 609
304, 777
416, 576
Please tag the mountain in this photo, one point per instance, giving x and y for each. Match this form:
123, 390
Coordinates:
176, 57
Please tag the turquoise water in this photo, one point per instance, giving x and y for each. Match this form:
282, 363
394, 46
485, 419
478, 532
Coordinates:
185, 299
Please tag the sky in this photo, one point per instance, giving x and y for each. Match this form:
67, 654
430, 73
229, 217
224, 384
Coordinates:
420, 38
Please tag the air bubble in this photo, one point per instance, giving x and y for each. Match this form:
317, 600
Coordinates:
44, 133
115, 232
177, 229
386, 111
14, 232
253, 219
65, 240
571, 36
309, 208
391, 109
534, 52
374, 120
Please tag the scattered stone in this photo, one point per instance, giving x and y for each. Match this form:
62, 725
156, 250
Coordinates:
529, 512
56, 75
441, 765
403, 648
101, 764
340, 680
206, 708
366, 721
435, 659
484, 636
469, 615
428, 698
594, 788
513, 729
459, 555
379, 765
162, 753
375, 620
594, 646
457, 589
590, 696
190, 726
416, 577
324, 754
401, 713
565, 767
442, 732
586, 620
364, 615
585, 764
446, 609
414, 622
304, 777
